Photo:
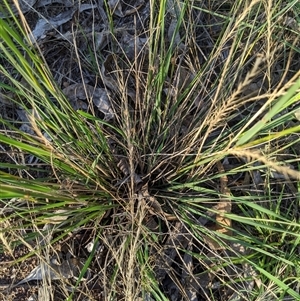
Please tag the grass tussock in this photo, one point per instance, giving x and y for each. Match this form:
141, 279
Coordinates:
166, 163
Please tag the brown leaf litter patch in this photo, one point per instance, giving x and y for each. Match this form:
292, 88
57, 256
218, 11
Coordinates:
22, 278
11, 273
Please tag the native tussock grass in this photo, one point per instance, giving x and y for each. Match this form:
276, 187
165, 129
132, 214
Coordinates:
213, 83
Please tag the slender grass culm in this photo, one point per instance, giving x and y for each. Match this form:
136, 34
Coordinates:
149, 150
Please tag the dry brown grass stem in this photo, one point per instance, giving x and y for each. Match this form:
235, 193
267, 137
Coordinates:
231, 33
256, 156
219, 114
